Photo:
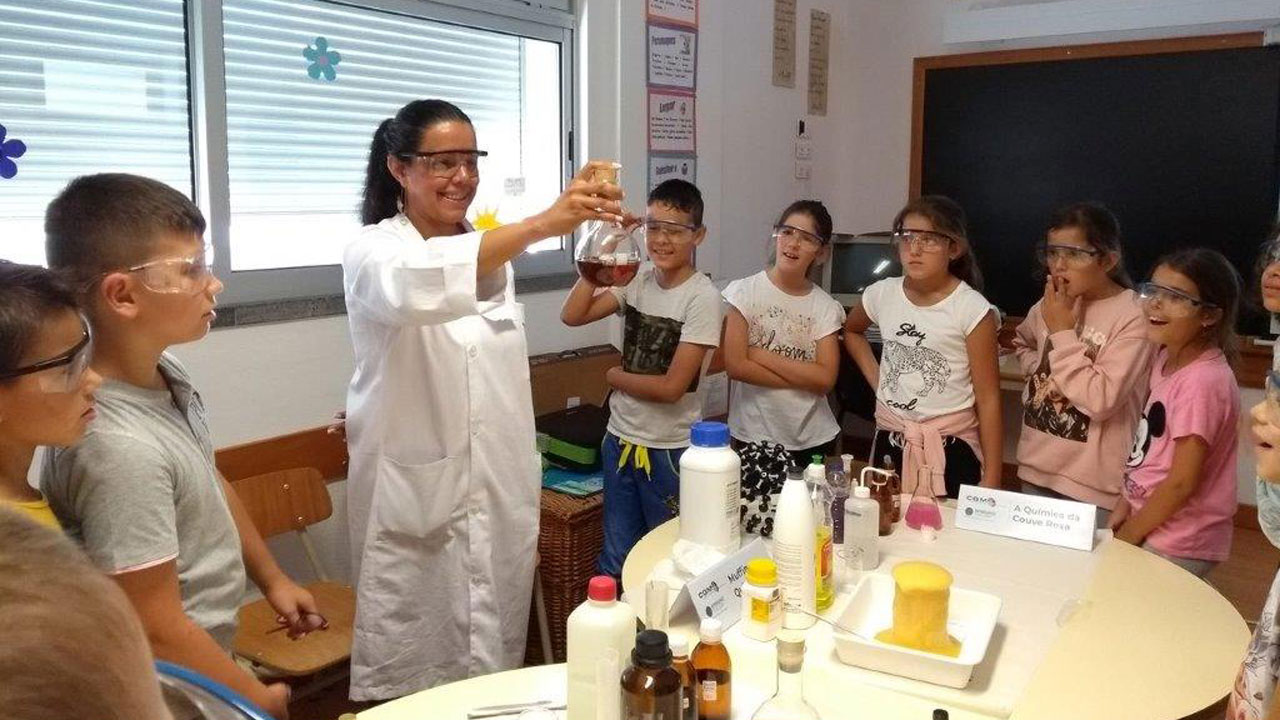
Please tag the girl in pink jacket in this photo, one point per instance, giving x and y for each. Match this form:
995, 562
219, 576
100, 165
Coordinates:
1084, 352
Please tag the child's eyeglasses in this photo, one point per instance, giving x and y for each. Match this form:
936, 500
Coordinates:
1071, 255
928, 241
1172, 301
445, 164
61, 373
185, 276
673, 232
789, 232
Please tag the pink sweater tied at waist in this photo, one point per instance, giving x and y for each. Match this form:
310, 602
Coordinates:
922, 445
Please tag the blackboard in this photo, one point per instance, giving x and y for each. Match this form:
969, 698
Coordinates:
1182, 146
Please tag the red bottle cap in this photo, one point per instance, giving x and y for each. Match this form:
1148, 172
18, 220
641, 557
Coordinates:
602, 588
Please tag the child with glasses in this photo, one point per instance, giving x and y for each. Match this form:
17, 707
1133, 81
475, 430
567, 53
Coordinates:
782, 352
46, 386
1253, 695
671, 322
938, 379
140, 491
1179, 493
1084, 352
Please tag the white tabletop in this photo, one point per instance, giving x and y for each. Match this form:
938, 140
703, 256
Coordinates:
1147, 640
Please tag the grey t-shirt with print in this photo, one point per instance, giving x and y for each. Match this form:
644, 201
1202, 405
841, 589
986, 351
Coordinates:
140, 489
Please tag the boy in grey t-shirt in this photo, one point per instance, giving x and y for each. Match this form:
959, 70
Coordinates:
671, 318
141, 492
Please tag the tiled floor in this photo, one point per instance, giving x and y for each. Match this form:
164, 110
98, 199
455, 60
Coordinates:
1243, 579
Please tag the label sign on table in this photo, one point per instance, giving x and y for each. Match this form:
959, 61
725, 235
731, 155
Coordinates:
717, 592
1027, 517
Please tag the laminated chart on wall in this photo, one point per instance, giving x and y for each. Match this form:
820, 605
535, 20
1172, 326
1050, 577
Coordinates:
819, 60
672, 167
674, 12
672, 57
784, 43
671, 65
672, 122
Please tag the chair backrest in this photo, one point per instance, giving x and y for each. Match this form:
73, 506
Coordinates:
314, 447
285, 500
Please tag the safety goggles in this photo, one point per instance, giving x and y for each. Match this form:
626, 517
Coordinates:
64, 372
1070, 255
444, 164
1175, 302
672, 232
184, 275
783, 232
928, 241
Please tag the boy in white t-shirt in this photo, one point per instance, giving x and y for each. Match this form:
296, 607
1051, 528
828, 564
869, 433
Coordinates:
783, 354
671, 318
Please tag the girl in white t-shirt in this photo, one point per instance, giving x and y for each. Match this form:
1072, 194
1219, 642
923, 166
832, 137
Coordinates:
937, 380
782, 354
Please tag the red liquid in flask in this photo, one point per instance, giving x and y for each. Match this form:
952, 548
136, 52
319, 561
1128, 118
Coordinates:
607, 274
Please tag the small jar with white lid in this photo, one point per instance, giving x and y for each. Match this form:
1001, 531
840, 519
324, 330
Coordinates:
761, 601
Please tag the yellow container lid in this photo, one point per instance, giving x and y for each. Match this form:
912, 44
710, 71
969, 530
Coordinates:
762, 572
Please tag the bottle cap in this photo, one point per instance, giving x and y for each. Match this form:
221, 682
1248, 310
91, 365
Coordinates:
711, 630
602, 588
940, 714
862, 492
651, 649
762, 572
679, 644
709, 433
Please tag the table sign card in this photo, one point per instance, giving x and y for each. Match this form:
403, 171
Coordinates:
1027, 517
717, 592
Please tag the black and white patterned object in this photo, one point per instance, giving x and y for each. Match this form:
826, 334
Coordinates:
764, 469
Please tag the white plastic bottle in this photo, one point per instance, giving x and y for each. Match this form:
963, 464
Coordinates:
794, 539
861, 530
710, 487
600, 624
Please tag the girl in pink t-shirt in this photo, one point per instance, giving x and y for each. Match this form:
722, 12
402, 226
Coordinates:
1179, 494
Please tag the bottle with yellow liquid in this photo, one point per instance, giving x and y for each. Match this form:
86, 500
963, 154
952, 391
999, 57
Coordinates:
820, 494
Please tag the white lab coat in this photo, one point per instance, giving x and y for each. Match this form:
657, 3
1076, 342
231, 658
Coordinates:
444, 478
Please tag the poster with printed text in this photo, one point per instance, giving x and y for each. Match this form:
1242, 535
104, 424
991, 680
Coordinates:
784, 43
673, 57
677, 12
668, 167
672, 122
819, 60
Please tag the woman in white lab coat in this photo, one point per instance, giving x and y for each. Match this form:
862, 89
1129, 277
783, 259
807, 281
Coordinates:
444, 476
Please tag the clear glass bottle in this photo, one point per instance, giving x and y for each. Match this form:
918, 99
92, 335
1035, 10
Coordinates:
923, 510
609, 254
824, 588
788, 703
714, 670
651, 686
839, 480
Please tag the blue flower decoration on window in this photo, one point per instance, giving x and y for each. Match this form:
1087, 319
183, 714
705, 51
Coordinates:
10, 150
322, 60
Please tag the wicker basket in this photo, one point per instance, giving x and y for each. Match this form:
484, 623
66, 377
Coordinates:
569, 542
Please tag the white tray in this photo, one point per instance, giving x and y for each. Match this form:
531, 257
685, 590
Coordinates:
971, 620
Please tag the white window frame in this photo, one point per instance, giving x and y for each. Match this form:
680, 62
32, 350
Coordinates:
208, 109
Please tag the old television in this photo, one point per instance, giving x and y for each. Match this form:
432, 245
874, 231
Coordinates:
856, 262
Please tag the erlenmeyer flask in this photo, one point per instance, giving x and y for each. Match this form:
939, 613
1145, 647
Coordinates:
609, 254
923, 510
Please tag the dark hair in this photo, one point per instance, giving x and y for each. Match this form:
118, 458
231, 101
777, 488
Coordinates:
108, 221
816, 212
29, 297
1218, 283
948, 217
1101, 230
679, 195
396, 135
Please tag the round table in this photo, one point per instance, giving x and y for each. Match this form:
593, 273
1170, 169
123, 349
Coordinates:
1146, 640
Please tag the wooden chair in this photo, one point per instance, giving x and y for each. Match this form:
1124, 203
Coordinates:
289, 501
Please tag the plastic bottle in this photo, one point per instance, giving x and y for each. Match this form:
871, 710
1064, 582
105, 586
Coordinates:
839, 480
794, 543
650, 686
820, 495
710, 489
599, 624
861, 530
714, 670
688, 678
761, 601
788, 702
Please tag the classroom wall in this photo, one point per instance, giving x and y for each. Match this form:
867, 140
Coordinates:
266, 380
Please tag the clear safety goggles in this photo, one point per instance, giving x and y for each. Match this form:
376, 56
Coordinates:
181, 276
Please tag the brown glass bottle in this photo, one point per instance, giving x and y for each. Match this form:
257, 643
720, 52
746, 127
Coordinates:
882, 493
714, 670
688, 678
651, 686
895, 488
